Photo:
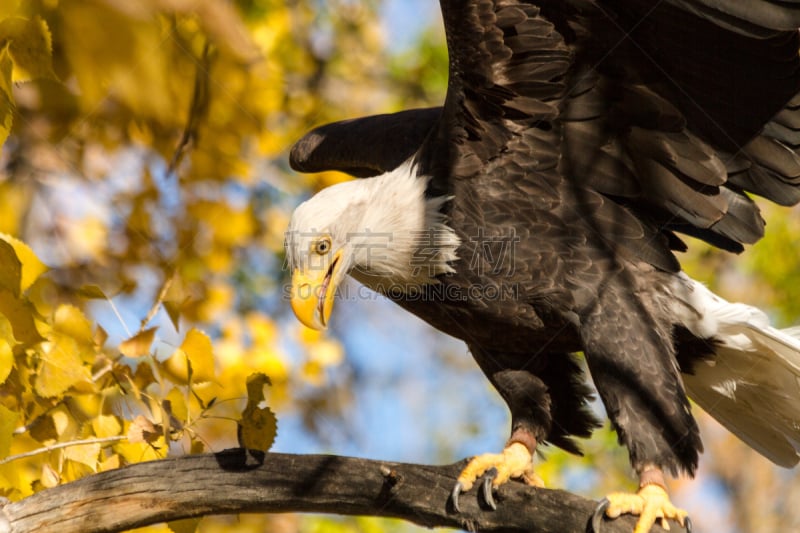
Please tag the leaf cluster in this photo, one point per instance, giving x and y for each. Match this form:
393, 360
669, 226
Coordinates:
143, 149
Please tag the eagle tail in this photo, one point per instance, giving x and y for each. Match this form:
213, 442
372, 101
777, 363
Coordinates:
752, 383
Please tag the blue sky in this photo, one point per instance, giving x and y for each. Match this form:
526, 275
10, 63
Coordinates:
404, 19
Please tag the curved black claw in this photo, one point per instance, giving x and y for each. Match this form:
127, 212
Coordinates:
599, 514
488, 477
687, 523
454, 496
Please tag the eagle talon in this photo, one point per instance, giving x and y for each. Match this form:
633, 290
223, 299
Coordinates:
455, 494
488, 480
651, 504
599, 513
687, 524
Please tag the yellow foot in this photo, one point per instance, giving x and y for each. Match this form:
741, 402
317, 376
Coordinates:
651, 503
515, 461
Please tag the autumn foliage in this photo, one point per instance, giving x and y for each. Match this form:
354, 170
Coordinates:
142, 207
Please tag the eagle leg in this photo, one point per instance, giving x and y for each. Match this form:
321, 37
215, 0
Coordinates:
651, 503
515, 461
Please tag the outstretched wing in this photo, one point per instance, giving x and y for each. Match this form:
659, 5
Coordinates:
678, 108
364, 147
672, 111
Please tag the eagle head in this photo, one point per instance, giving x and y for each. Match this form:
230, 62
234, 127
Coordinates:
320, 250
382, 230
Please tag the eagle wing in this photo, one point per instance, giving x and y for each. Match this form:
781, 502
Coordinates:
674, 112
364, 147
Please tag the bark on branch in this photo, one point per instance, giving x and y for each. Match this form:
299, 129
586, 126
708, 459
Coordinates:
234, 482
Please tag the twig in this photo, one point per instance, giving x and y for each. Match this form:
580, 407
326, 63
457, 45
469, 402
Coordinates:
58, 445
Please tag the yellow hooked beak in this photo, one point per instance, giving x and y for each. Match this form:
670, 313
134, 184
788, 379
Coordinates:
313, 292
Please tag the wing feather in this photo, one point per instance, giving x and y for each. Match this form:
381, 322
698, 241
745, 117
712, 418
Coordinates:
673, 111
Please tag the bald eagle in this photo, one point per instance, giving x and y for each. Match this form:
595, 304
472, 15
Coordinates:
535, 215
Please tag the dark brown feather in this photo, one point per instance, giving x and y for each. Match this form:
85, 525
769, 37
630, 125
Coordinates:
585, 132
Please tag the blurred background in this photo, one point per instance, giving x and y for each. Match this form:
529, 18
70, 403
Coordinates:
145, 164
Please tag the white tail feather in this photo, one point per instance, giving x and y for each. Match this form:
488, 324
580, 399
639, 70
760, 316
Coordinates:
752, 386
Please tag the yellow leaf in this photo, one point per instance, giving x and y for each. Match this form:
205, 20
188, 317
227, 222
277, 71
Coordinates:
62, 421
32, 267
142, 430
308, 335
8, 423
262, 329
30, 47
219, 298
139, 344
174, 310
106, 426
233, 227
258, 426
187, 525
6, 330
126, 59
43, 429
50, 477
135, 452
61, 367
86, 239
86, 454
111, 463
218, 19
100, 336
12, 195
86, 407
10, 269
72, 470
71, 321
313, 373
8, 8
194, 356
6, 95
197, 447
92, 292
6, 360
326, 353
142, 378
20, 314
255, 387
7, 342
270, 361
175, 405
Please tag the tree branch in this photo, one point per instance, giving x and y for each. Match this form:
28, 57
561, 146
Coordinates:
234, 482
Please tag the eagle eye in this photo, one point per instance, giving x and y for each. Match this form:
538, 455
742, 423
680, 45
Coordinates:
322, 246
